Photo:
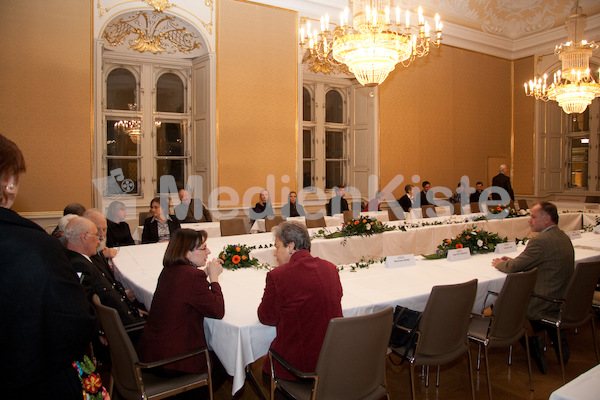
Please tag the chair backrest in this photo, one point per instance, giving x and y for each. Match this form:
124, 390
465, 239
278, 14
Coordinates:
475, 207
142, 217
395, 214
315, 223
580, 293
348, 215
425, 210
352, 359
234, 226
592, 199
122, 353
510, 308
523, 204
271, 222
457, 209
445, 320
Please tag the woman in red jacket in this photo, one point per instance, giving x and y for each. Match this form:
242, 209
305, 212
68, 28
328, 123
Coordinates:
183, 298
301, 295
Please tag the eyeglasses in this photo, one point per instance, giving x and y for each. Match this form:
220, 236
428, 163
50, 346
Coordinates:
98, 235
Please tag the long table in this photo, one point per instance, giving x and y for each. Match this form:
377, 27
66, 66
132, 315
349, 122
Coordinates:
239, 338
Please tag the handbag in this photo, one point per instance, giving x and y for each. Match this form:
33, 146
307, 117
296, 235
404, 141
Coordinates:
404, 331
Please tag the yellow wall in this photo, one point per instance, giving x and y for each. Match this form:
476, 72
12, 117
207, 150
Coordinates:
256, 95
524, 163
45, 106
444, 116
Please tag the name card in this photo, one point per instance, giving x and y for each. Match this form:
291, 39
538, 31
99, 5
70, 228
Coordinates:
403, 260
574, 234
508, 247
459, 254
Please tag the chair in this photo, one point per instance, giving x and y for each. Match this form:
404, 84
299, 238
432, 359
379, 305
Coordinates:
506, 325
457, 209
50, 228
442, 333
425, 211
523, 204
576, 306
392, 214
234, 226
592, 199
142, 217
350, 215
128, 372
271, 222
474, 207
316, 223
351, 363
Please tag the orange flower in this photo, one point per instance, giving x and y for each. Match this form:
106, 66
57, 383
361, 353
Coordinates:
468, 237
356, 222
457, 236
244, 257
223, 256
236, 259
498, 208
448, 241
459, 246
364, 221
237, 249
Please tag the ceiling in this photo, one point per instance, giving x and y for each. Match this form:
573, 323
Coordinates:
505, 28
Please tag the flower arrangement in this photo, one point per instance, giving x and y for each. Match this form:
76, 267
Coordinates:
478, 240
361, 226
236, 256
512, 213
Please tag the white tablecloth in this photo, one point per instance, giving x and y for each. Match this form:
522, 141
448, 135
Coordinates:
585, 387
212, 228
239, 338
259, 225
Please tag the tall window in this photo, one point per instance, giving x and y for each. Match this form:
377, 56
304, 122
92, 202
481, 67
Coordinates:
582, 154
146, 123
325, 130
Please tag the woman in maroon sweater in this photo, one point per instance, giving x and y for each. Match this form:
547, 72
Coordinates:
183, 298
301, 295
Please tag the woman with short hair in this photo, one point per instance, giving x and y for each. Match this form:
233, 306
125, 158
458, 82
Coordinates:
118, 232
301, 295
183, 298
160, 226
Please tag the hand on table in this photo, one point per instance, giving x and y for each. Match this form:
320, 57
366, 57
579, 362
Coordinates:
497, 261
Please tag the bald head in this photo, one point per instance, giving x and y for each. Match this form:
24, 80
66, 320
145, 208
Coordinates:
81, 236
99, 220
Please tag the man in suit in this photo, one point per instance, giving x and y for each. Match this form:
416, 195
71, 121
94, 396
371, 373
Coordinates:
337, 204
422, 199
185, 210
551, 251
474, 198
406, 200
502, 180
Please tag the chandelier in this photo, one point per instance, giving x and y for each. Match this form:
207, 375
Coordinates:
574, 88
132, 127
372, 46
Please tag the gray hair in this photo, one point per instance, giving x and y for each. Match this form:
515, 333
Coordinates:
502, 166
76, 227
64, 221
293, 232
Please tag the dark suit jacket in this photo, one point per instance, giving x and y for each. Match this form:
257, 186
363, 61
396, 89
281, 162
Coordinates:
423, 199
405, 202
300, 298
502, 181
552, 253
150, 232
474, 198
118, 234
47, 322
292, 210
95, 281
337, 202
187, 213
182, 300
261, 211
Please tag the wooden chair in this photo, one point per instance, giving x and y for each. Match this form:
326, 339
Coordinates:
234, 226
395, 214
351, 363
142, 217
523, 204
506, 324
128, 372
425, 211
316, 223
271, 222
475, 207
592, 199
457, 209
576, 306
442, 333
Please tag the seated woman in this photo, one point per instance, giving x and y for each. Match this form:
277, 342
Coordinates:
301, 295
158, 227
263, 208
183, 298
118, 232
460, 192
374, 204
292, 208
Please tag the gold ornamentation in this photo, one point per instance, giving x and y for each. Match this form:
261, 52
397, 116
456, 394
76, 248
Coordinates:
159, 5
156, 33
325, 66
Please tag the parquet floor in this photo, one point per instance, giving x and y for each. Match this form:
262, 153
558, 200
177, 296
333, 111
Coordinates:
508, 382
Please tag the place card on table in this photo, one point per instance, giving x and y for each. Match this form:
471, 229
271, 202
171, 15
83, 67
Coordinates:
459, 254
574, 234
402, 260
503, 248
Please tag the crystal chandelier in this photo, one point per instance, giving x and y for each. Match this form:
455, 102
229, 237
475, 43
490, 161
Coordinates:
574, 88
372, 46
132, 127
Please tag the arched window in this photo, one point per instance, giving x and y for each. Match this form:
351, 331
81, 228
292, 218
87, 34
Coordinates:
170, 94
121, 90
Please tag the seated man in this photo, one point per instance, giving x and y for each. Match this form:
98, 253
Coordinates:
474, 198
552, 253
422, 197
406, 201
337, 204
82, 241
185, 210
